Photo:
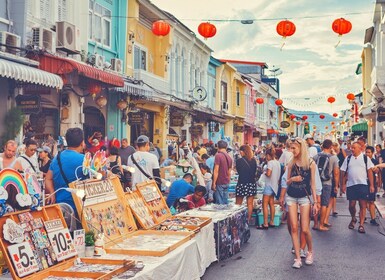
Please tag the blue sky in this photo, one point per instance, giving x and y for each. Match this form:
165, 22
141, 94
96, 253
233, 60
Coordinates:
312, 67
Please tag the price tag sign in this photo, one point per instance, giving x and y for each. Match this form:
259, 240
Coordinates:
23, 259
62, 244
79, 241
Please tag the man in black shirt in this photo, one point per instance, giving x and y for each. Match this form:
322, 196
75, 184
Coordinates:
369, 151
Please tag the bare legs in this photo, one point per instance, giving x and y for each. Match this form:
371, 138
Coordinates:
250, 206
268, 200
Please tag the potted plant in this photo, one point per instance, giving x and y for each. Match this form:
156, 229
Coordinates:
90, 243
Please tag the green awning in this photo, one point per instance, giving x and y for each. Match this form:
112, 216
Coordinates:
360, 127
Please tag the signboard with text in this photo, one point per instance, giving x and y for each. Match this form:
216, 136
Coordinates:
136, 118
29, 104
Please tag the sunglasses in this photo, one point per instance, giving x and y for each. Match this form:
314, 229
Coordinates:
296, 139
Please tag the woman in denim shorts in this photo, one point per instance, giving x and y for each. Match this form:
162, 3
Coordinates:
300, 172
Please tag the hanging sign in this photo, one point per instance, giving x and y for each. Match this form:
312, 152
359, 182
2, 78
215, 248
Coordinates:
29, 104
176, 119
136, 118
285, 124
196, 130
381, 114
199, 93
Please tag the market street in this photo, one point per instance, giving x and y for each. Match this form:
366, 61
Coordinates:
339, 254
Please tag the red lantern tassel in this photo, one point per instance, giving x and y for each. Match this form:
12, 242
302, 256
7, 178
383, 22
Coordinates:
283, 42
339, 41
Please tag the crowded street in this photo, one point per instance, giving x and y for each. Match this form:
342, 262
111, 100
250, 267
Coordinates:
186, 140
341, 254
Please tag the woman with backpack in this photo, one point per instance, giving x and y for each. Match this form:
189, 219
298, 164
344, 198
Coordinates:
301, 192
272, 173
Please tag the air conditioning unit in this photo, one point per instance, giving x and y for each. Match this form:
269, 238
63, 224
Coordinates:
225, 106
99, 61
66, 36
44, 39
9, 42
117, 65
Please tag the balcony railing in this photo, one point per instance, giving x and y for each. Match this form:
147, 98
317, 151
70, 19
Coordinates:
154, 81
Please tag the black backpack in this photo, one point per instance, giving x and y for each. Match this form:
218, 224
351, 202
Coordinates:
323, 164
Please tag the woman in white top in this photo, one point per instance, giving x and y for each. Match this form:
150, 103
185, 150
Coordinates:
272, 174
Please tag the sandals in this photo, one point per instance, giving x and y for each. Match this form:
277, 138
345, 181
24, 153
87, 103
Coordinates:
272, 226
361, 229
263, 227
352, 223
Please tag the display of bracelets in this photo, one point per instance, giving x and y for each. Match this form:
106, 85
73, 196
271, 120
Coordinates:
171, 228
84, 267
131, 272
157, 208
66, 278
149, 242
184, 221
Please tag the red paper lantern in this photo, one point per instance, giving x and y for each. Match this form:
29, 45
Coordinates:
304, 118
350, 96
331, 122
259, 100
326, 127
207, 30
306, 123
278, 102
314, 127
335, 115
160, 28
331, 99
292, 117
94, 89
341, 26
285, 28
298, 123
321, 117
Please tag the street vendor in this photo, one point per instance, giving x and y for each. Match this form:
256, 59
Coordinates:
180, 188
196, 199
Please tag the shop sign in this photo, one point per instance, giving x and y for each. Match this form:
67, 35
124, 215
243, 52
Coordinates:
136, 118
285, 124
29, 104
238, 128
176, 119
381, 114
196, 130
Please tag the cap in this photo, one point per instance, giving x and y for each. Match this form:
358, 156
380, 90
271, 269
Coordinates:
142, 139
44, 149
308, 136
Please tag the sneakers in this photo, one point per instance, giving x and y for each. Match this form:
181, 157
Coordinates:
292, 250
309, 258
297, 263
373, 222
302, 254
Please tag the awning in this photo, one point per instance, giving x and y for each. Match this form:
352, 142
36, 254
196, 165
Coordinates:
61, 66
136, 88
272, 131
360, 127
24, 73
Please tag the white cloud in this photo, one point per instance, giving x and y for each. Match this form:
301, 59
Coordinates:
311, 64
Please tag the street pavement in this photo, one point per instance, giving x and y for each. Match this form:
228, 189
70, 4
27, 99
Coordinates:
340, 253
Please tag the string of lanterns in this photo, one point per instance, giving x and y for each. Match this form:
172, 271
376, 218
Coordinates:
284, 28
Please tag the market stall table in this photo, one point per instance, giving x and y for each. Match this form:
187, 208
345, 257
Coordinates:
231, 228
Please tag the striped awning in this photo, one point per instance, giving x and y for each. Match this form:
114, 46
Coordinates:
360, 127
62, 66
27, 74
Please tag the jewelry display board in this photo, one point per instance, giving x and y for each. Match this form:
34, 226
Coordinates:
149, 243
154, 200
103, 210
140, 210
34, 242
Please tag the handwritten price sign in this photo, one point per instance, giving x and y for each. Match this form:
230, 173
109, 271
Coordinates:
79, 241
23, 258
62, 244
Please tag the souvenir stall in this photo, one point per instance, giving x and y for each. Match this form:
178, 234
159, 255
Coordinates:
136, 236
231, 228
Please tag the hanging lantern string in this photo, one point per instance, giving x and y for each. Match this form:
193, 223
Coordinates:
339, 41
283, 43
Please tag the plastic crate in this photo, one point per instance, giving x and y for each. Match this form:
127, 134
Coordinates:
277, 218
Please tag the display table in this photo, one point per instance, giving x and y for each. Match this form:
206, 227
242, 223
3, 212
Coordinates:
231, 228
188, 261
